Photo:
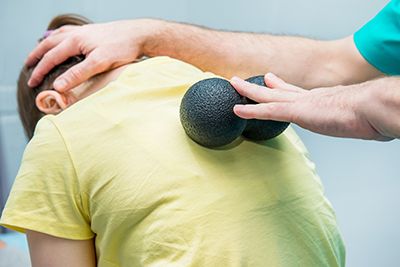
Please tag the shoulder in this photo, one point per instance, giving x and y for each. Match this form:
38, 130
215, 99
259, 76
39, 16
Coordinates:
46, 154
46, 139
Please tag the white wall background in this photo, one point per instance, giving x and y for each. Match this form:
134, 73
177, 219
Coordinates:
362, 179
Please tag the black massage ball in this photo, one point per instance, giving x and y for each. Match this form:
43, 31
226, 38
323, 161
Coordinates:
262, 129
206, 113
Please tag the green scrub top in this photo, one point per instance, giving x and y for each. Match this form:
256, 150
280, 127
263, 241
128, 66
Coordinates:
379, 40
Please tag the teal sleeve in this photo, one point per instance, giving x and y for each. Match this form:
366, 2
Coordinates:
379, 40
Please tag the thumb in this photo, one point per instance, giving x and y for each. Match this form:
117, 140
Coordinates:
79, 73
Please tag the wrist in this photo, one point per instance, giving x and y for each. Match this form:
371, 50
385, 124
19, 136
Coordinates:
152, 36
379, 106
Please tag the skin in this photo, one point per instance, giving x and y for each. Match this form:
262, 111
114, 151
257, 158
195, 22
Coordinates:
54, 102
224, 53
348, 111
335, 70
50, 251
102, 52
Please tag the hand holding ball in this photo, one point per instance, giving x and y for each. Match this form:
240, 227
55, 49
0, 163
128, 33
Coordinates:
262, 129
207, 116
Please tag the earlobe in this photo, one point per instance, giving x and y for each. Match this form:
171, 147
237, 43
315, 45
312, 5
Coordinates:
50, 102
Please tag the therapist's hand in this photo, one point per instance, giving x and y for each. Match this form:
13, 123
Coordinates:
344, 111
105, 46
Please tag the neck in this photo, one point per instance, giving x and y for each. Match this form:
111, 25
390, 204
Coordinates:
106, 78
94, 84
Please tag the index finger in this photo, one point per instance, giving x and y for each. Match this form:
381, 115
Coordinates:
259, 94
52, 58
42, 48
276, 111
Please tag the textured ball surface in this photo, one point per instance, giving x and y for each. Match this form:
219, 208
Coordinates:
262, 129
206, 113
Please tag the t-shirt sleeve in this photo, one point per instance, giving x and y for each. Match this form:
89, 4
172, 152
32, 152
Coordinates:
379, 40
46, 196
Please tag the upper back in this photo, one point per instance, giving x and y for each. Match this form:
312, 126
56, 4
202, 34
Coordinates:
152, 196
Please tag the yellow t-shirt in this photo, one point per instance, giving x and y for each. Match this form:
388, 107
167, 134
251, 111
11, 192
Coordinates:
118, 167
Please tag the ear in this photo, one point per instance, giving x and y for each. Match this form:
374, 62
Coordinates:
51, 102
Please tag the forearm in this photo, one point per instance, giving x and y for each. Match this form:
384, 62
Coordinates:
305, 62
369, 110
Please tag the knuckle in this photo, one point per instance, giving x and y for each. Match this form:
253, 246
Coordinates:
251, 88
95, 61
248, 113
74, 39
47, 59
273, 108
102, 64
98, 62
75, 74
46, 43
253, 111
38, 73
47, 63
63, 29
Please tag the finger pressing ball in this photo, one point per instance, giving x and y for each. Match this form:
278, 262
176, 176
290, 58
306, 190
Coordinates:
206, 113
262, 129
207, 116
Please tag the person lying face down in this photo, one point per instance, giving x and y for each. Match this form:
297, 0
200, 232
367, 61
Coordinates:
112, 180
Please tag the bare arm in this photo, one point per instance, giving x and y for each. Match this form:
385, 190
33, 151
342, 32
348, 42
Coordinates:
305, 62
369, 110
50, 251
301, 61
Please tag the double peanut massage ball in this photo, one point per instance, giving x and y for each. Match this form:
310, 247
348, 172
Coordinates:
207, 115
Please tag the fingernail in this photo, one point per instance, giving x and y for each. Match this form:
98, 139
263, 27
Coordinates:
60, 84
29, 63
237, 109
47, 33
238, 106
30, 83
270, 75
236, 80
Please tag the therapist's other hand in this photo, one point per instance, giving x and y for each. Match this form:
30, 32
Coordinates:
336, 111
105, 46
